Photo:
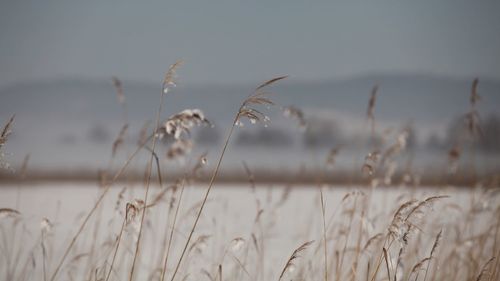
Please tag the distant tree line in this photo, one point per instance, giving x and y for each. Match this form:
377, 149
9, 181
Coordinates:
327, 133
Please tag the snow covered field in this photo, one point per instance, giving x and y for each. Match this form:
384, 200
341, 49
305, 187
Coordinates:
250, 232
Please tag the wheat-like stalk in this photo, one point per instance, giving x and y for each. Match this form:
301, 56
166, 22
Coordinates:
485, 270
168, 82
246, 110
324, 234
433, 250
119, 90
370, 111
386, 258
171, 235
6, 131
119, 140
417, 267
118, 240
295, 255
4, 135
296, 113
418, 209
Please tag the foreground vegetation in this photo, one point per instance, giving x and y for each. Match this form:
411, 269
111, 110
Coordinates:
154, 236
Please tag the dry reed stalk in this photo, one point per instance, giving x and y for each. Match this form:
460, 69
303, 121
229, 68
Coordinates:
393, 231
170, 209
254, 115
106, 188
332, 155
250, 176
240, 264
370, 112
358, 243
418, 208
474, 96
399, 223
235, 245
17, 256
324, 233
485, 270
22, 175
495, 268
6, 131
474, 123
170, 76
168, 82
387, 263
171, 235
220, 272
346, 242
367, 271
453, 158
398, 262
44, 256
370, 164
296, 113
118, 240
294, 256
433, 250
158, 169
417, 267
119, 140
7, 249
4, 135
9, 212
31, 258
94, 239
119, 90
336, 210
120, 96
24, 167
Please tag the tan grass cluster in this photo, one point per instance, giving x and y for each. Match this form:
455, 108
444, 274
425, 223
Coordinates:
414, 236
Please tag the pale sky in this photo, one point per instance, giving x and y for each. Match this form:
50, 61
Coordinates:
246, 41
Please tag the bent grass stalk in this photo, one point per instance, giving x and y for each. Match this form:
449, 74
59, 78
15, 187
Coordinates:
198, 215
116, 248
324, 233
167, 82
295, 255
253, 115
94, 208
164, 269
125, 218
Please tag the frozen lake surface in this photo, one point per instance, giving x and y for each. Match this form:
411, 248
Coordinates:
270, 220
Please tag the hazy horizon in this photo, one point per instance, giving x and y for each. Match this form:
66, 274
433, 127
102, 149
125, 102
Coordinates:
57, 59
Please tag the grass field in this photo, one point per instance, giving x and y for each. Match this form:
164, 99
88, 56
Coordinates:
194, 228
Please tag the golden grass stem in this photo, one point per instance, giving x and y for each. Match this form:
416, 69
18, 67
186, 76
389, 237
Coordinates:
44, 257
324, 233
148, 182
431, 256
94, 208
212, 180
171, 235
387, 264
116, 248
339, 272
379, 262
